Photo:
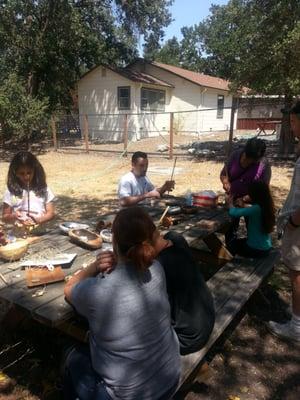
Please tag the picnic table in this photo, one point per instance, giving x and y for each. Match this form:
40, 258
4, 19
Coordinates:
50, 308
262, 126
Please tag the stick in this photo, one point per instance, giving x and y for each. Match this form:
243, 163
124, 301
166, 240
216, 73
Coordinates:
28, 201
173, 168
163, 215
3, 279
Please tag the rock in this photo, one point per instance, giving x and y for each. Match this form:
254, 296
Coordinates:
191, 150
162, 148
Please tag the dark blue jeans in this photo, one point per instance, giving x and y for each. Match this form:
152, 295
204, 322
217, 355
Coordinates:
80, 380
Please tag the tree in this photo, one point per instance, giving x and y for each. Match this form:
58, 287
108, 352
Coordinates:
169, 52
256, 43
48, 44
20, 113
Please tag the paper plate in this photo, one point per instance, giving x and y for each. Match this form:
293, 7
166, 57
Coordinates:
66, 226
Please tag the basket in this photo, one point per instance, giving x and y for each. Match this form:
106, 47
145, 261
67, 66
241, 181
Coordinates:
14, 251
86, 237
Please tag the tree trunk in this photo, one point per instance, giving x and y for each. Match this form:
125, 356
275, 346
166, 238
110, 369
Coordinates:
286, 140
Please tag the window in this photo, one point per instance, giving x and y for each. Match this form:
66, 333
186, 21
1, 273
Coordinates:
153, 100
220, 106
124, 97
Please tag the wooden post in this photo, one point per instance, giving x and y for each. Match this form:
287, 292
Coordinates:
54, 136
233, 109
125, 134
86, 132
171, 135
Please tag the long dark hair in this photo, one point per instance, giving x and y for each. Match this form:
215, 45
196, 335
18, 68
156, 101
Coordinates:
38, 183
133, 231
260, 194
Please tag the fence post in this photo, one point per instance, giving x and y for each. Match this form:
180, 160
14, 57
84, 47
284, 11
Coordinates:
54, 136
86, 132
125, 134
171, 135
233, 109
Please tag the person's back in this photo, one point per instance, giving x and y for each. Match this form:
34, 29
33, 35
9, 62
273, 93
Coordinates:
191, 302
132, 346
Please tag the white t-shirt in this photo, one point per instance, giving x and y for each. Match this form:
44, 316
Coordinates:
131, 185
37, 204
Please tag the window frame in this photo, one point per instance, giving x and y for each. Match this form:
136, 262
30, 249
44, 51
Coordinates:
151, 108
129, 97
220, 108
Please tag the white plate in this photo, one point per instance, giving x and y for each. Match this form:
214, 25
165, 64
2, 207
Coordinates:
66, 226
64, 258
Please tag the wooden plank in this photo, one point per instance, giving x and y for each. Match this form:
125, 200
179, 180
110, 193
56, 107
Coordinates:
228, 304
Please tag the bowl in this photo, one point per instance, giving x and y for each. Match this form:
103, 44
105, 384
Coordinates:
66, 226
14, 251
174, 210
86, 237
106, 235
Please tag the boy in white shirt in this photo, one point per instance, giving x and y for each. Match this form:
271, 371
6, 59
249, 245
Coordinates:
135, 186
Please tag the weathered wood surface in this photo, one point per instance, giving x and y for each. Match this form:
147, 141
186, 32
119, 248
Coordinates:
51, 308
231, 287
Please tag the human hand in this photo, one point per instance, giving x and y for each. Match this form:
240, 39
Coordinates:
153, 193
239, 202
169, 186
105, 261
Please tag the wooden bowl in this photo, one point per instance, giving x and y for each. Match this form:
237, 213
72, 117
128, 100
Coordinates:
86, 237
14, 251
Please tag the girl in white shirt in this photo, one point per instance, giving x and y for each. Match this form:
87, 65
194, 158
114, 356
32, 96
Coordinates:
27, 199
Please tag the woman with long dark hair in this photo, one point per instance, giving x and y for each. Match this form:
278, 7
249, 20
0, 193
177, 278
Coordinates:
133, 350
260, 222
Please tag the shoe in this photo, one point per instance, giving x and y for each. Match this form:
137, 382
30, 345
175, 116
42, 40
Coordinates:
284, 331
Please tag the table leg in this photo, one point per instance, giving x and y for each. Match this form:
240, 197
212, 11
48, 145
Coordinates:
217, 247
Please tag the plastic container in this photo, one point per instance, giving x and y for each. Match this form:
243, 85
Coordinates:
205, 198
189, 198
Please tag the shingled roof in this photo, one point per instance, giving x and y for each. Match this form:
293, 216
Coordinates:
195, 77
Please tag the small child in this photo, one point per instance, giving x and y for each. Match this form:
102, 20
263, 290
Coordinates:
27, 199
260, 221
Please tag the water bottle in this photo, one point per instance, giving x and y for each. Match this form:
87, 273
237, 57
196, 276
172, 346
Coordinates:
189, 198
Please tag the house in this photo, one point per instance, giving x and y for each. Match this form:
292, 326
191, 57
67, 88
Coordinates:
147, 92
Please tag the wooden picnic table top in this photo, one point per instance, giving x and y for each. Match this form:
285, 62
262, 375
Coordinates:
51, 308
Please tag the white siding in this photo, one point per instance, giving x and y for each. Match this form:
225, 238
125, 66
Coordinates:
98, 94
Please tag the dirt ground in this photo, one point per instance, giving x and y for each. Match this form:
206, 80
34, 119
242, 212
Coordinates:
247, 364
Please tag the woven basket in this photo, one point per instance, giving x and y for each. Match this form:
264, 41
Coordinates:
14, 251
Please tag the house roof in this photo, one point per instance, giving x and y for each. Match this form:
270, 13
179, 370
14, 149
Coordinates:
141, 77
133, 75
195, 77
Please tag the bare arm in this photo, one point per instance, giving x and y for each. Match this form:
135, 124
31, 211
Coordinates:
105, 262
132, 200
8, 215
49, 214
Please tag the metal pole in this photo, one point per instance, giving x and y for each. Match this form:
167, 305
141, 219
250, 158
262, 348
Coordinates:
171, 135
233, 109
54, 136
86, 132
125, 134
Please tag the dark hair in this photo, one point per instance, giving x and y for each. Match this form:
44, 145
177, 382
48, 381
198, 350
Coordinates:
137, 155
296, 109
260, 194
133, 231
255, 148
38, 183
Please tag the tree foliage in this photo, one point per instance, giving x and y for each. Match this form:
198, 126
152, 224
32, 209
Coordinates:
20, 113
48, 44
